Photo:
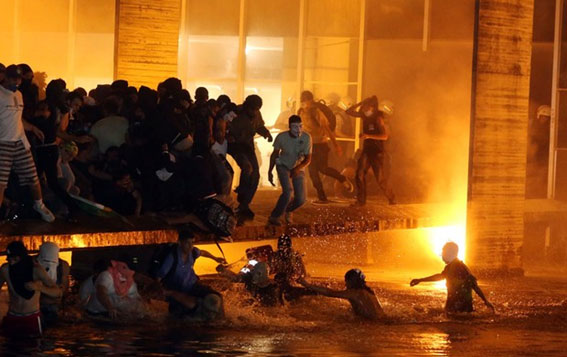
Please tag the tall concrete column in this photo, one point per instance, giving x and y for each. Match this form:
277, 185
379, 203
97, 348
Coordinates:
498, 144
146, 40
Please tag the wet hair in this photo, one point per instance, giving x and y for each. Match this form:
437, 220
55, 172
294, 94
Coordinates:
16, 249
356, 280
25, 68
294, 119
185, 234
305, 96
201, 94
253, 101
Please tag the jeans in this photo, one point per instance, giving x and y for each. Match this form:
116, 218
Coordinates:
286, 181
320, 164
245, 157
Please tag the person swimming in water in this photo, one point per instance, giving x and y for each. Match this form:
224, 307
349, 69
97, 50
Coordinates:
460, 282
364, 302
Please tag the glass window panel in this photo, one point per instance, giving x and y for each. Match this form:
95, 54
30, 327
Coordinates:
95, 16
330, 59
215, 88
212, 57
563, 59
213, 17
452, 20
562, 120
283, 16
394, 19
333, 18
264, 58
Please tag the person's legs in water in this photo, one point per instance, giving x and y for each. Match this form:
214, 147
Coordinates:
283, 200
206, 304
298, 196
361, 170
377, 163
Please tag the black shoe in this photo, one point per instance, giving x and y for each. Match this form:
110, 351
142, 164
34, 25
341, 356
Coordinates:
246, 212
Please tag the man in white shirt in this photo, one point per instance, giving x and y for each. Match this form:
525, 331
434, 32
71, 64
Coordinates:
14, 146
292, 154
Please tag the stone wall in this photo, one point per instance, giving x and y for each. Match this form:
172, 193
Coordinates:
146, 44
497, 165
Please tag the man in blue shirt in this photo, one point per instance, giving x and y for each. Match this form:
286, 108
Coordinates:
186, 296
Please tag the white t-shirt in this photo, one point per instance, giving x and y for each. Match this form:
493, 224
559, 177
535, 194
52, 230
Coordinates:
87, 291
126, 303
220, 149
110, 131
11, 109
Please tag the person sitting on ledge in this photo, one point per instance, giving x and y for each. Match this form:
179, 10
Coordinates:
460, 282
364, 302
26, 280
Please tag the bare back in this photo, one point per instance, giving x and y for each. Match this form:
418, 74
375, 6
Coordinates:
18, 304
364, 304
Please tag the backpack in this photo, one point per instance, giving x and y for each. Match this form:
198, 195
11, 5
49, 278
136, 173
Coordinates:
331, 118
160, 254
217, 216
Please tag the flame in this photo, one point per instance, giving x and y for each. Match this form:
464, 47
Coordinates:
439, 236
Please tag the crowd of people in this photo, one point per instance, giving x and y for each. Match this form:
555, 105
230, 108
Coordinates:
118, 290
140, 150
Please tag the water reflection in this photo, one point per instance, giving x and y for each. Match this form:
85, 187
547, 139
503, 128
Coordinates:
531, 320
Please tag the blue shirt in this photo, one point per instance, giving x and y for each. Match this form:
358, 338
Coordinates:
184, 276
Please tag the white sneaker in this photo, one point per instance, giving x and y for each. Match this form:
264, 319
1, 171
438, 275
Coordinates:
289, 218
44, 212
